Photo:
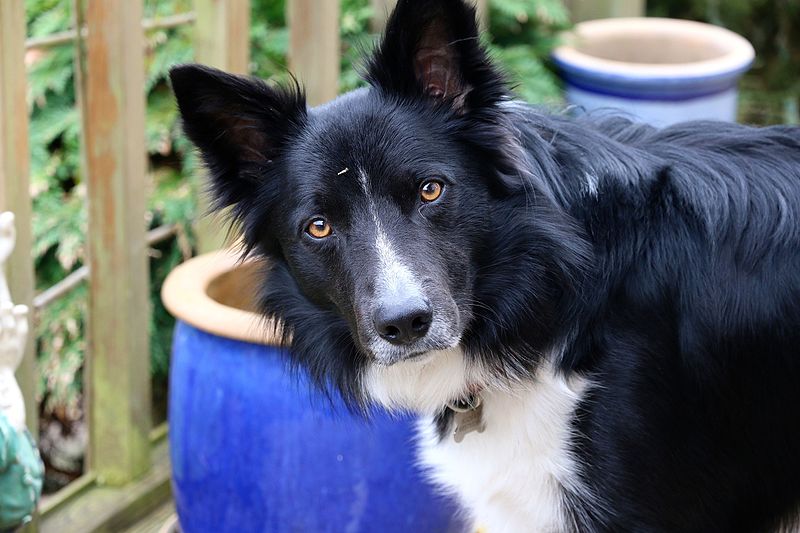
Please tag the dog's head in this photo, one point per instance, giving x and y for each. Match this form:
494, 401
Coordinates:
377, 210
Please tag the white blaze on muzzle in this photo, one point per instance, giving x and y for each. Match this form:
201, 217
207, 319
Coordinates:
394, 281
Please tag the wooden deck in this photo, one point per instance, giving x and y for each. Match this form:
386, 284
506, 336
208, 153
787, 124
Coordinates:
161, 520
138, 506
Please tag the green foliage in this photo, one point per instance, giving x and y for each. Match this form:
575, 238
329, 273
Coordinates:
356, 41
522, 33
59, 218
269, 38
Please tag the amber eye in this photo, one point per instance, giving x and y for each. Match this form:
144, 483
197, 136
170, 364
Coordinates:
319, 228
431, 190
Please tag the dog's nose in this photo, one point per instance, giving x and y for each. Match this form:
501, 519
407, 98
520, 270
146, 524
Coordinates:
405, 322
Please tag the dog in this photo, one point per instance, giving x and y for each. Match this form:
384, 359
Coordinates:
597, 321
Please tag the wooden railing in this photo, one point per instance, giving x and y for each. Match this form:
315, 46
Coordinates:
110, 93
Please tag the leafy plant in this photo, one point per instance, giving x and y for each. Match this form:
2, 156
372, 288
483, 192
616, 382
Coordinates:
522, 35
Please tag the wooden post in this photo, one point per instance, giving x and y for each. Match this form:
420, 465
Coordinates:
221, 40
483, 13
222, 34
594, 9
119, 308
380, 13
14, 180
314, 49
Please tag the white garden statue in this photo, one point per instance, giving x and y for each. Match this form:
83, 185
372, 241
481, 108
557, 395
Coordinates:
13, 333
21, 468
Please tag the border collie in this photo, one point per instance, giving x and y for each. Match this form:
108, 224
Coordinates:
597, 321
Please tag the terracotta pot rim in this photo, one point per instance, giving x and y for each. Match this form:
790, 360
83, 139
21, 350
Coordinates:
185, 295
738, 56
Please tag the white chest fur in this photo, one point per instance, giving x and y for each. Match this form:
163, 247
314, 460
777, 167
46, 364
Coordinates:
511, 478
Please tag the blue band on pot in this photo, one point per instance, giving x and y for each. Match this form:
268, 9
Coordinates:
649, 87
658, 93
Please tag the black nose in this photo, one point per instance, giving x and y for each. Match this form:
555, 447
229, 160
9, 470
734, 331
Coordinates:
403, 323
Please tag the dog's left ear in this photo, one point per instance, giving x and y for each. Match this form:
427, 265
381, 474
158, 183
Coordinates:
432, 49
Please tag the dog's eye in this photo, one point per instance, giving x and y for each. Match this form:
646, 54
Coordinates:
431, 190
319, 228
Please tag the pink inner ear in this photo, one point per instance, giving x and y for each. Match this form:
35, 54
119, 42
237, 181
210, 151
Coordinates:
436, 63
248, 138
437, 70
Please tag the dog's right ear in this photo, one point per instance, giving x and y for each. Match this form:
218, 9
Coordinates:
240, 125
432, 49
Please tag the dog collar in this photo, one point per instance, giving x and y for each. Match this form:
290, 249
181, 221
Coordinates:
466, 403
467, 415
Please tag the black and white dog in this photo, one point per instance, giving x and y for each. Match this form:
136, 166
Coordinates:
598, 321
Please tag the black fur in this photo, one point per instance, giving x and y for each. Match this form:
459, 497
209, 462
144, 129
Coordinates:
663, 265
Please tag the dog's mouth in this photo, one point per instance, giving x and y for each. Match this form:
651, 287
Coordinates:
419, 355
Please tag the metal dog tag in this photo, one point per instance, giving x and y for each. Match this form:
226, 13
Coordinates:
468, 420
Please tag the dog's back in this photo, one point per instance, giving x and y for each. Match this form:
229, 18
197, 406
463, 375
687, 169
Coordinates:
695, 346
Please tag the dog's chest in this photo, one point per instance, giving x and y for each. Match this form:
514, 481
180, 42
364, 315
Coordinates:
512, 477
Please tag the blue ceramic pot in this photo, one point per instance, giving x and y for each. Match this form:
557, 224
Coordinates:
256, 449
661, 71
